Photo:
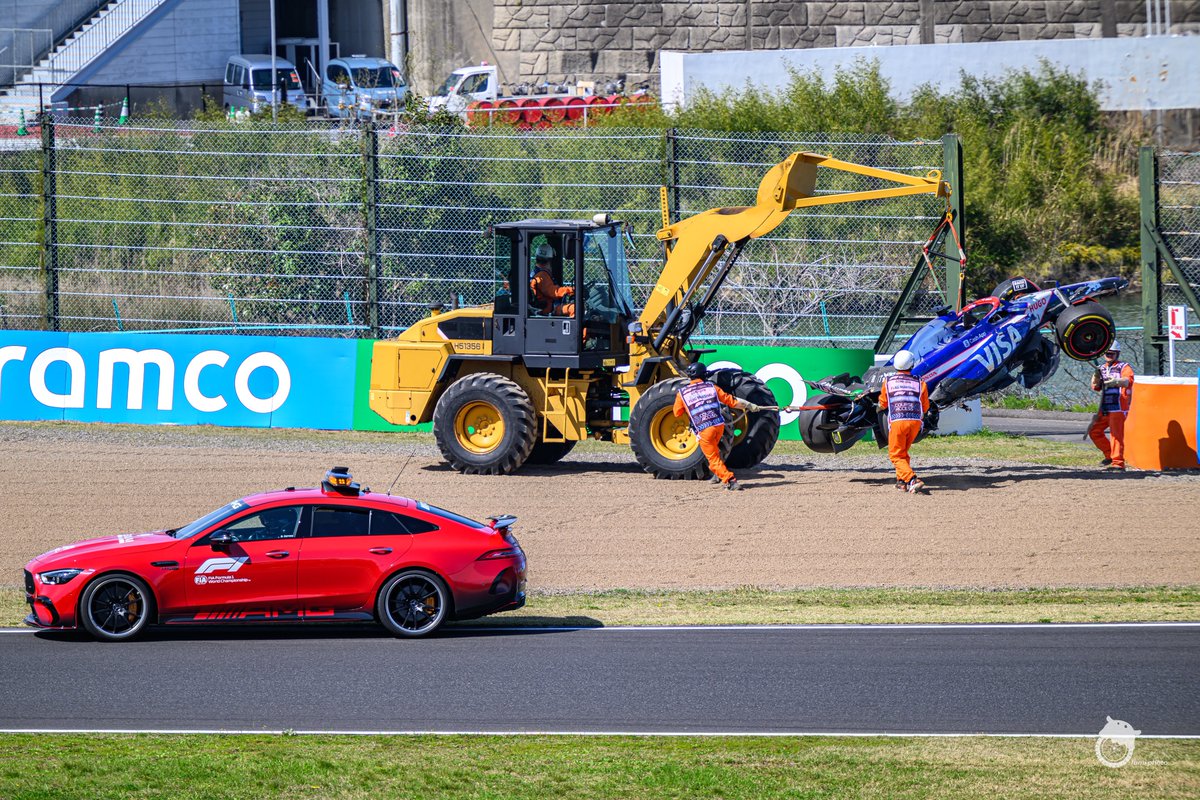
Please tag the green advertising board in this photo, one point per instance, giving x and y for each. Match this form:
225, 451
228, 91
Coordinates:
784, 369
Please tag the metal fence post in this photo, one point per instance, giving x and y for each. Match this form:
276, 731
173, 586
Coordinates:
370, 146
49, 243
1148, 197
952, 173
672, 172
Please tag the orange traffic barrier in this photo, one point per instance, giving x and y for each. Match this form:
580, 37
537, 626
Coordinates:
573, 107
553, 109
480, 112
508, 112
1160, 432
531, 110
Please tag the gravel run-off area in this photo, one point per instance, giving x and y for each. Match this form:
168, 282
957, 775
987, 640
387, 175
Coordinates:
596, 521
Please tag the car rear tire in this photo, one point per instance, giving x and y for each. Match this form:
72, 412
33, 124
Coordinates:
116, 607
754, 435
485, 424
413, 603
1013, 288
664, 444
1085, 331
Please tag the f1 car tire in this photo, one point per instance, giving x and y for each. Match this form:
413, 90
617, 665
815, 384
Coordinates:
413, 603
811, 420
549, 452
754, 437
1085, 331
116, 607
664, 444
485, 424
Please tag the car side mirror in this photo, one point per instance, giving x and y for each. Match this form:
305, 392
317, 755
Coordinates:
221, 540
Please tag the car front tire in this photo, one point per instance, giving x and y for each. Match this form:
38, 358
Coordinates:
116, 607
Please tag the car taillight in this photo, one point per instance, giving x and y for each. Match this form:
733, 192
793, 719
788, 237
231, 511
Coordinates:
511, 552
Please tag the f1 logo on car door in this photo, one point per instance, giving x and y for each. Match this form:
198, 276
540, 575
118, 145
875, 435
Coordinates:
251, 568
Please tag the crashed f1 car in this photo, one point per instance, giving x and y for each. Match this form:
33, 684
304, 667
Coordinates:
991, 344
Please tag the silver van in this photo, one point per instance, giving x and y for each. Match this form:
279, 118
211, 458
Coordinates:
248, 83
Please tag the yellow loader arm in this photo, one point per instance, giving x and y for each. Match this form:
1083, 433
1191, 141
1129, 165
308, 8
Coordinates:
696, 244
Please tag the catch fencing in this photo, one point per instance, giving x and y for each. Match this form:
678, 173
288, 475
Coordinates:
312, 228
1171, 250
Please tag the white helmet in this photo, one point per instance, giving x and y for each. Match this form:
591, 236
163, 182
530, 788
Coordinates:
904, 360
1115, 347
544, 252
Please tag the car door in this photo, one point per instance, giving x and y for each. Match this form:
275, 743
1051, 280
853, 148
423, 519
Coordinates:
345, 555
253, 574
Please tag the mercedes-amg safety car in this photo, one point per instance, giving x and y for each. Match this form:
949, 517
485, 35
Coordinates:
334, 553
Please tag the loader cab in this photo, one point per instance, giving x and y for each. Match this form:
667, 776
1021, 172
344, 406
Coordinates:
535, 320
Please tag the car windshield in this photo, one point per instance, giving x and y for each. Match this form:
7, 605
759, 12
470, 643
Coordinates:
287, 78
450, 515
449, 84
208, 520
377, 77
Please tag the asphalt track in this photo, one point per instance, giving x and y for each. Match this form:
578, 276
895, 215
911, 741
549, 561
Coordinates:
1013, 679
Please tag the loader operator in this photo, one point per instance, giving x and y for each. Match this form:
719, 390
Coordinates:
549, 297
905, 397
702, 401
1114, 381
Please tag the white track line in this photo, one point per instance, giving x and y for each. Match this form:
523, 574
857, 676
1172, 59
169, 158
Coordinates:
645, 734
813, 626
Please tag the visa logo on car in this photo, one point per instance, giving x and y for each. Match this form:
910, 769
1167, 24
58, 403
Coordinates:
992, 355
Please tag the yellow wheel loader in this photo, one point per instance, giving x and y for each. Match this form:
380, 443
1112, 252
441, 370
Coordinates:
522, 379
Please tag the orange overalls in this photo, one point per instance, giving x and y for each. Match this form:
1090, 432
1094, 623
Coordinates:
546, 293
702, 401
1114, 405
909, 400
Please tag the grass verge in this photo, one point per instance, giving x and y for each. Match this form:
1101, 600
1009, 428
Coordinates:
753, 606
47, 767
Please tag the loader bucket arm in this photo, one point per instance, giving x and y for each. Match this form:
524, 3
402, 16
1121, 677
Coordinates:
696, 244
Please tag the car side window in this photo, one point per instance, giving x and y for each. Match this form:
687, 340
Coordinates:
475, 83
273, 523
389, 523
338, 75
229, 73
335, 521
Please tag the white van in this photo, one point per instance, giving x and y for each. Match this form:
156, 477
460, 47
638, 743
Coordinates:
248, 83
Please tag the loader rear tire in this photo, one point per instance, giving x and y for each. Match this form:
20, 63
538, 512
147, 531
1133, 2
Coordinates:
754, 435
664, 444
485, 424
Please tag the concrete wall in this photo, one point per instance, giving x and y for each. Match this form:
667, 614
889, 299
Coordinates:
532, 40
1137, 74
188, 44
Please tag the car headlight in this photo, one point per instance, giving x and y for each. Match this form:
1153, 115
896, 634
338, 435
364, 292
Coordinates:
56, 577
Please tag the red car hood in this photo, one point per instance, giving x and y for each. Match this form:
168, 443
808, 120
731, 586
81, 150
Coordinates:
126, 543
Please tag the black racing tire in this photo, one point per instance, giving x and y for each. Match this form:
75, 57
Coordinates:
664, 444
116, 607
485, 424
818, 440
754, 435
1014, 287
1085, 331
414, 603
549, 452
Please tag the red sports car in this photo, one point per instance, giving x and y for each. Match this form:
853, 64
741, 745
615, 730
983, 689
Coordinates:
337, 553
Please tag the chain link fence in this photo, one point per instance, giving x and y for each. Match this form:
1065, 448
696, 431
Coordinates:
325, 230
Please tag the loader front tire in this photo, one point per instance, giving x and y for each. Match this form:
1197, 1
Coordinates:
663, 443
485, 424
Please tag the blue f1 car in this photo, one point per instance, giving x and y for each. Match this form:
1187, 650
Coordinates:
991, 344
